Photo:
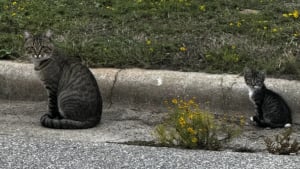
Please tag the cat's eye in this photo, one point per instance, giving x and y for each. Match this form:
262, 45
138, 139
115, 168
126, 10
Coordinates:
47, 50
30, 50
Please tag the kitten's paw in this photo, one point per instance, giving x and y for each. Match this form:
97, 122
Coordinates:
287, 125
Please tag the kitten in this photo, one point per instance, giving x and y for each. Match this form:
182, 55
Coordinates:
271, 109
74, 99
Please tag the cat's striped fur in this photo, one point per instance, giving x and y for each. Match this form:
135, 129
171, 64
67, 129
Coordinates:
74, 98
271, 109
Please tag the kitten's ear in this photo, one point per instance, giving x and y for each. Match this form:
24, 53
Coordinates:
27, 35
263, 73
49, 34
247, 70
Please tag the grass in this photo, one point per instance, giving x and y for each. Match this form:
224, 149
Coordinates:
217, 36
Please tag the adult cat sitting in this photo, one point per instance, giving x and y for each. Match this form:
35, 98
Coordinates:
74, 99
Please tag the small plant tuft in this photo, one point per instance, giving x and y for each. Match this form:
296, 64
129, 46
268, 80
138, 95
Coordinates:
283, 143
188, 126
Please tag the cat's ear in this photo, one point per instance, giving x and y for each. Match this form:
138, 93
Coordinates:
247, 70
263, 73
27, 35
49, 34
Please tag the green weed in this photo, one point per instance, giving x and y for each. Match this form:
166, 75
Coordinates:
283, 143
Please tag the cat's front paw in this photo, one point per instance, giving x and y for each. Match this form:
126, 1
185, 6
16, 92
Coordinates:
254, 118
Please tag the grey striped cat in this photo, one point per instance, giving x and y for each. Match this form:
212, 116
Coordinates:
271, 109
74, 99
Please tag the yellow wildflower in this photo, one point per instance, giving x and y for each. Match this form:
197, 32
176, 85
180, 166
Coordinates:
174, 101
182, 121
110, 8
13, 14
202, 8
296, 14
191, 102
191, 131
285, 15
191, 116
194, 140
231, 24
148, 42
182, 49
274, 30
238, 24
182, 106
14, 3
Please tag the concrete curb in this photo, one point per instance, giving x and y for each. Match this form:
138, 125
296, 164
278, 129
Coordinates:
147, 89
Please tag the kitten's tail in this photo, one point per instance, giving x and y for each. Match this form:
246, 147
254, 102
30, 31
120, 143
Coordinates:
67, 123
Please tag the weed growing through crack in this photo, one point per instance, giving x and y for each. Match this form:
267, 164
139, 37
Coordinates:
188, 126
283, 143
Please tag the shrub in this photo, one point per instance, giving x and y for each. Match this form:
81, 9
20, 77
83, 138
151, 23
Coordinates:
189, 126
283, 143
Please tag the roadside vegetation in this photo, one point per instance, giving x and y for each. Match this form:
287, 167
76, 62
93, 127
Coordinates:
283, 144
189, 126
217, 36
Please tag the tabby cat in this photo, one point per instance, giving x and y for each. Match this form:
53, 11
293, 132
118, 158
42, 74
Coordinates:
74, 99
271, 109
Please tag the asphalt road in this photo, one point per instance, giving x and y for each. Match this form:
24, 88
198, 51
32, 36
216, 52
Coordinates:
29, 152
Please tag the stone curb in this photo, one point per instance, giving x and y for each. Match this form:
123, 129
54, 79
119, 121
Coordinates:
148, 89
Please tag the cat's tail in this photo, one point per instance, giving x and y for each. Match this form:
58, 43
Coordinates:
46, 121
